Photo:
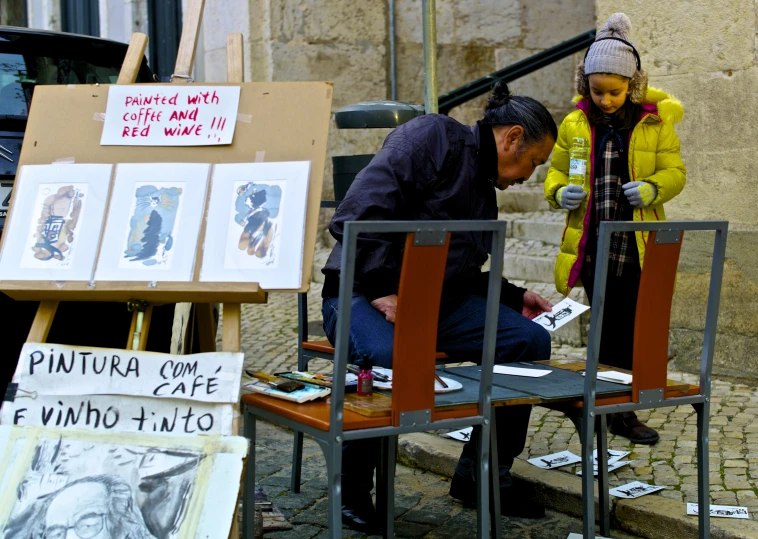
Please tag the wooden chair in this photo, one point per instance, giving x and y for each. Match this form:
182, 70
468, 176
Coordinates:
650, 359
413, 401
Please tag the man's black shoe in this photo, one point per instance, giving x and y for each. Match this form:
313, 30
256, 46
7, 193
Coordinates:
360, 516
627, 425
512, 502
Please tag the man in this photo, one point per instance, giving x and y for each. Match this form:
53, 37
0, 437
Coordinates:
435, 168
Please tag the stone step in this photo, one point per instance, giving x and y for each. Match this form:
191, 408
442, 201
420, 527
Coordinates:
528, 197
529, 260
546, 226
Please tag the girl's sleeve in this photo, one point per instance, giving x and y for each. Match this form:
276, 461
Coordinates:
557, 176
670, 172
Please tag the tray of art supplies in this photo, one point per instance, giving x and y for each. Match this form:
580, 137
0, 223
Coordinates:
323, 380
441, 384
283, 388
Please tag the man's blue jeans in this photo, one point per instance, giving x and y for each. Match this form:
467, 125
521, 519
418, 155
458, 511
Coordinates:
460, 334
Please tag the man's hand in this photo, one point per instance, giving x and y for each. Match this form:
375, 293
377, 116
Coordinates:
387, 306
535, 305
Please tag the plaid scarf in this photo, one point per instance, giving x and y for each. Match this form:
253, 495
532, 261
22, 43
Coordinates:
609, 202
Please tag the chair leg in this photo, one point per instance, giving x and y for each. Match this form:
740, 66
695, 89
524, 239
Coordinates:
496, 522
483, 483
248, 491
586, 431
602, 476
297, 462
333, 454
385, 486
703, 489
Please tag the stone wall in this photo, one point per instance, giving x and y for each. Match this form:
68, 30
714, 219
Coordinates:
347, 42
705, 53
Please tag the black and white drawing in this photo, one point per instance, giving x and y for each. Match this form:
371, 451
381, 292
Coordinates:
634, 489
556, 460
76, 488
563, 312
725, 511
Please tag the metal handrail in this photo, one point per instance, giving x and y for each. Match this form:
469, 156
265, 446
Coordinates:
514, 71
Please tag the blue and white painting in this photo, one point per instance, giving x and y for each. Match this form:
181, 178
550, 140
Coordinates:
256, 225
153, 225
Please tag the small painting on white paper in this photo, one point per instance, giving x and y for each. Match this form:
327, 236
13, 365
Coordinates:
256, 219
635, 489
723, 511
53, 237
57, 218
563, 312
153, 222
257, 225
555, 460
155, 211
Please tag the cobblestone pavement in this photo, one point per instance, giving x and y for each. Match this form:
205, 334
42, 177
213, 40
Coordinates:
422, 505
269, 340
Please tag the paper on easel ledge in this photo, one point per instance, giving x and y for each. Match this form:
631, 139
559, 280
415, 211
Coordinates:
56, 369
170, 115
563, 312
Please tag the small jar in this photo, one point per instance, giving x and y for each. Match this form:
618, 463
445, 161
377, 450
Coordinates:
365, 378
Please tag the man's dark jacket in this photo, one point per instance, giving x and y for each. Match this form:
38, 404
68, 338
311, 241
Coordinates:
431, 168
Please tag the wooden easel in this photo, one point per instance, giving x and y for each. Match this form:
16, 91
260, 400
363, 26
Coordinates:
142, 311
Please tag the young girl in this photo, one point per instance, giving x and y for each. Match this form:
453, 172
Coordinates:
633, 168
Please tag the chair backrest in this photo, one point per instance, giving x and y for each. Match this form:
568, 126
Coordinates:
653, 314
415, 344
419, 295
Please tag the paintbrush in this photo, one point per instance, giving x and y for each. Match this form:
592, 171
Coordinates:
437, 376
288, 386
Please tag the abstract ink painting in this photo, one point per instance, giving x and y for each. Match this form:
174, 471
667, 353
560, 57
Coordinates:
150, 237
55, 222
69, 483
256, 217
257, 210
153, 223
53, 237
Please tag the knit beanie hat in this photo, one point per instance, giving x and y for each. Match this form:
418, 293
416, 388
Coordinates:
611, 55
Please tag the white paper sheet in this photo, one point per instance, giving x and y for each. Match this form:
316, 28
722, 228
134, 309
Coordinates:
555, 460
176, 115
56, 221
722, 511
615, 377
119, 413
563, 312
517, 371
464, 435
256, 224
635, 489
613, 456
153, 223
579, 536
55, 369
611, 467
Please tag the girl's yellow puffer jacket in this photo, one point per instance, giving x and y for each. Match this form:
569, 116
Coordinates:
653, 157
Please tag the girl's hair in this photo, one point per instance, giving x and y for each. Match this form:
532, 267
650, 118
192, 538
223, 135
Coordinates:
506, 109
629, 113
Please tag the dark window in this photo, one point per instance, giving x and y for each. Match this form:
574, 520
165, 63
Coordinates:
80, 17
164, 31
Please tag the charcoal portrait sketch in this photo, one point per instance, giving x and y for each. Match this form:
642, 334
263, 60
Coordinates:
54, 230
153, 224
256, 228
89, 490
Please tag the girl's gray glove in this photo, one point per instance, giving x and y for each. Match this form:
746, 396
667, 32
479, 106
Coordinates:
570, 197
640, 194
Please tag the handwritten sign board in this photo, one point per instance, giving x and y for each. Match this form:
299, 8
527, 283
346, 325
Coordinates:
55, 369
170, 115
119, 413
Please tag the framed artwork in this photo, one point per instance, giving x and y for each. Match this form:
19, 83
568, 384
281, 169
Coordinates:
56, 222
153, 222
115, 485
256, 216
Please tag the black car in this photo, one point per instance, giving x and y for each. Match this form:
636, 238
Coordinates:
29, 58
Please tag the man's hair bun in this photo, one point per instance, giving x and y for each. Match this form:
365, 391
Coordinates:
499, 97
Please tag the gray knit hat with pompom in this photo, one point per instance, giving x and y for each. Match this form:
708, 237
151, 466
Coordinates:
610, 55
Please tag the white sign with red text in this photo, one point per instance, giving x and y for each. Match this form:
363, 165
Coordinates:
153, 115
